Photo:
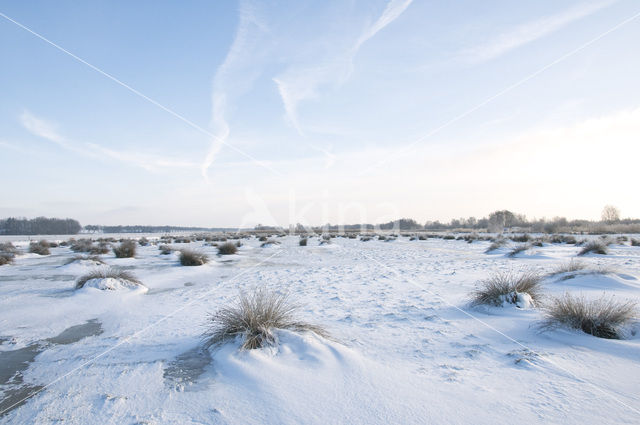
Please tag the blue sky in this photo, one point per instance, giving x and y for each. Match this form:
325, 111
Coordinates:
313, 112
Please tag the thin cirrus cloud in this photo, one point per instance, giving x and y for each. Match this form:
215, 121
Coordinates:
531, 31
235, 77
299, 83
253, 50
47, 130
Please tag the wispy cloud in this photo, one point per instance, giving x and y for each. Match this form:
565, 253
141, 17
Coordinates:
47, 130
44, 129
531, 31
302, 82
234, 77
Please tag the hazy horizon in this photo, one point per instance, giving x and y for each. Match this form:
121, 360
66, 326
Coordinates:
237, 113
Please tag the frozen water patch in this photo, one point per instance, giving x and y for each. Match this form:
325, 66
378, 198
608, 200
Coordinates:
75, 333
14, 363
183, 372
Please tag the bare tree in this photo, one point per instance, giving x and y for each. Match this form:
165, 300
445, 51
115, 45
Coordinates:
610, 214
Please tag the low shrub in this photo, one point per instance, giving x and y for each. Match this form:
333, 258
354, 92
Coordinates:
143, 241
165, 249
100, 248
6, 258
498, 243
192, 258
521, 238
227, 248
262, 239
518, 249
126, 249
253, 318
635, 242
303, 242
8, 248
269, 242
602, 317
596, 246
569, 267
97, 260
82, 245
87, 245
510, 288
40, 248
111, 272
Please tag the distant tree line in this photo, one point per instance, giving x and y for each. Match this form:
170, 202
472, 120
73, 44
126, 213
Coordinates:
39, 226
501, 220
94, 228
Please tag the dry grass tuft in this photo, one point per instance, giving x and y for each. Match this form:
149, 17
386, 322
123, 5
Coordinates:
269, 242
227, 248
601, 317
110, 272
596, 246
7, 253
254, 317
192, 258
93, 258
126, 249
40, 248
6, 258
495, 245
518, 249
165, 249
505, 286
569, 267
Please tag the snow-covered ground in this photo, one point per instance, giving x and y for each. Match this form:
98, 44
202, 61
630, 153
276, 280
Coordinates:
406, 346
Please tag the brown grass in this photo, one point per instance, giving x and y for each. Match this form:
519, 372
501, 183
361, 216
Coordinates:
227, 248
254, 317
596, 246
126, 249
192, 258
6, 258
40, 248
569, 267
503, 285
165, 249
269, 242
94, 258
518, 249
601, 317
110, 272
495, 245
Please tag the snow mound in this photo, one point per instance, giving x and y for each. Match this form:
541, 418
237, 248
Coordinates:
519, 299
305, 378
595, 280
114, 284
